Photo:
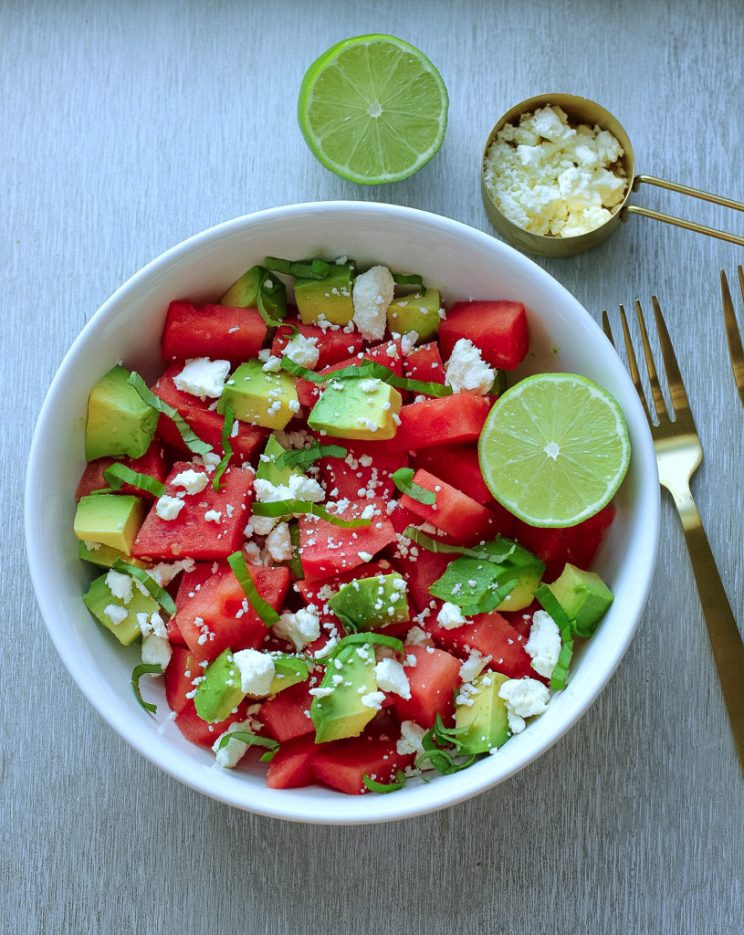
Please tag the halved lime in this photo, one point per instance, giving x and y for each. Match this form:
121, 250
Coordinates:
373, 109
554, 449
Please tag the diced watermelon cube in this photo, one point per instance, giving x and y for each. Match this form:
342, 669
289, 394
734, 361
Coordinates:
459, 466
190, 534
576, 544
200, 732
434, 680
214, 331
344, 764
309, 590
292, 765
454, 512
499, 329
330, 550
333, 346
286, 716
424, 363
455, 419
365, 467
182, 669
388, 354
493, 636
421, 569
152, 462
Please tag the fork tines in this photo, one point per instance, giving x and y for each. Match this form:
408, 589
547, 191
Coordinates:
736, 353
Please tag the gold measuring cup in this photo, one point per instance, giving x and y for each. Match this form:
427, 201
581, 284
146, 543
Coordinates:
582, 110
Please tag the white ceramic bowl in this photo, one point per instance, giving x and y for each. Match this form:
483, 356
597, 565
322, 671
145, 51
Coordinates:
463, 263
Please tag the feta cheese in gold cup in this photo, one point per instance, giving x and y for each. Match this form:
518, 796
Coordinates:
571, 174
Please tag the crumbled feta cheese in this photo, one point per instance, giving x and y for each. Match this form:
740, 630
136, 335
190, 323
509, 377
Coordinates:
473, 665
373, 700
230, 755
272, 364
203, 377
279, 543
91, 546
191, 481
365, 556
323, 692
152, 625
391, 677
408, 342
256, 671
156, 650
164, 572
416, 636
544, 644
303, 351
524, 697
554, 179
369, 386
411, 735
209, 459
168, 508
450, 616
260, 525
305, 488
115, 613
372, 294
466, 369
120, 585
213, 516
299, 628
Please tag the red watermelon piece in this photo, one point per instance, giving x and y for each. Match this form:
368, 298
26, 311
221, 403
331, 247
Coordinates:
219, 332
499, 329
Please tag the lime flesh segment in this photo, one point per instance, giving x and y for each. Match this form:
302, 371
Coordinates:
554, 449
373, 109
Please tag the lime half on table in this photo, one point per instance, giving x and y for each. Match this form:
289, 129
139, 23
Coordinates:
554, 449
373, 109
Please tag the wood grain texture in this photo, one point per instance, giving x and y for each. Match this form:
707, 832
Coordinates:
128, 126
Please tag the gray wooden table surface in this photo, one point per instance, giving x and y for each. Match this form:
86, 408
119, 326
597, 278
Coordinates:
126, 126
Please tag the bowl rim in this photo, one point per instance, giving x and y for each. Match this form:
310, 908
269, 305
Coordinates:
439, 794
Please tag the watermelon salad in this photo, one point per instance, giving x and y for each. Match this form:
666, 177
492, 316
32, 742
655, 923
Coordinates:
293, 524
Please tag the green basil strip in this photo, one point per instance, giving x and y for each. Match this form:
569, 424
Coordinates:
271, 299
360, 638
496, 556
190, 439
366, 369
154, 589
137, 673
227, 450
268, 756
252, 740
302, 269
383, 787
403, 480
549, 603
302, 457
102, 490
292, 507
413, 280
559, 677
443, 761
119, 474
265, 611
492, 601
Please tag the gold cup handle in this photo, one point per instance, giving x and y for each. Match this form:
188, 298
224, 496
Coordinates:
681, 222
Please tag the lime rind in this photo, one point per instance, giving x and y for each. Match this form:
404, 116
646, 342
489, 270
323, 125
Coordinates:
554, 449
411, 137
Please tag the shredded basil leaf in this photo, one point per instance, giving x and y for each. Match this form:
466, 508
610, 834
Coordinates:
119, 474
366, 369
302, 269
436, 756
301, 457
154, 589
144, 668
264, 610
268, 756
383, 787
403, 480
190, 439
413, 280
227, 450
291, 507
497, 551
375, 638
272, 299
567, 627
252, 740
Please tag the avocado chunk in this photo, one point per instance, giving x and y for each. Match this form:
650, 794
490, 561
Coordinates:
329, 297
104, 556
353, 408
261, 398
528, 578
417, 312
484, 721
371, 603
288, 671
244, 292
267, 468
99, 598
119, 422
349, 677
111, 519
220, 690
584, 597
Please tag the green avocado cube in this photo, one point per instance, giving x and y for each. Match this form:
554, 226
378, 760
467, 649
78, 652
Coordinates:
484, 722
244, 292
418, 312
98, 599
358, 409
348, 679
329, 297
371, 603
110, 519
104, 556
219, 691
288, 671
259, 397
584, 597
119, 422
267, 468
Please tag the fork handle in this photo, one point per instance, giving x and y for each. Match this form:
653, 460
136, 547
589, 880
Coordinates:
725, 639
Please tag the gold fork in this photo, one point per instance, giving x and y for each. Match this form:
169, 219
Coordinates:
736, 353
678, 455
